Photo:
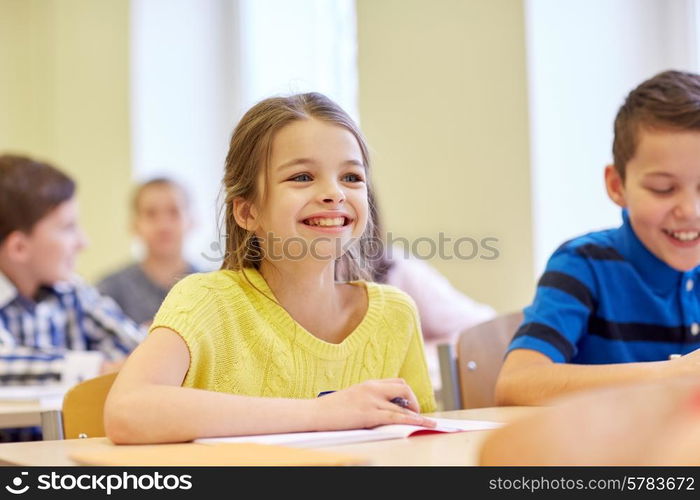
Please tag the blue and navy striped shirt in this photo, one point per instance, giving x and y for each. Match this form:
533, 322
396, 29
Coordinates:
36, 335
605, 298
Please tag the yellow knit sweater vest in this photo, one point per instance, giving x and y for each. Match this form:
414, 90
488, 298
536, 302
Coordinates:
242, 341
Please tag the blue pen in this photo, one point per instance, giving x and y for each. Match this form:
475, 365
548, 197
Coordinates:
402, 402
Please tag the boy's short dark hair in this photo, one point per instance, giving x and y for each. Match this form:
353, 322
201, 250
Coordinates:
154, 182
29, 189
669, 100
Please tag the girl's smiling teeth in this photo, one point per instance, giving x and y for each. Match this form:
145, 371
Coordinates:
682, 235
327, 221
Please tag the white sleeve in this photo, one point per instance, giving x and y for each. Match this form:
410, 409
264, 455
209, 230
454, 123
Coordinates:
444, 310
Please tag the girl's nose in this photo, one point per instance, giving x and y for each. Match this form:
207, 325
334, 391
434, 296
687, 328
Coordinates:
333, 195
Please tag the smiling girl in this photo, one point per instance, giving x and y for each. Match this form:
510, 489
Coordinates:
248, 349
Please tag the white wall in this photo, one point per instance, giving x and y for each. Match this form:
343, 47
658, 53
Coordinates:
584, 56
185, 91
299, 46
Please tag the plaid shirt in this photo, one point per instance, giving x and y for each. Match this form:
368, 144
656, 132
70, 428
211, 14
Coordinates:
35, 336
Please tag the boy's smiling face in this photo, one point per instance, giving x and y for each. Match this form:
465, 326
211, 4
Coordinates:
662, 194
53, 245
162, 220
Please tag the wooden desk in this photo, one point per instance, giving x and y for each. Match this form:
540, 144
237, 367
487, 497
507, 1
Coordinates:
22, 406
437, 449
20, 414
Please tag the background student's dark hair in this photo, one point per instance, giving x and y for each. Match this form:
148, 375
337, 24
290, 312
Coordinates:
669, 100
29, 189
156, 182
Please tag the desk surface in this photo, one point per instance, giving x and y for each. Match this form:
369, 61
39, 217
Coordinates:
21, 406
22, 414
435, 449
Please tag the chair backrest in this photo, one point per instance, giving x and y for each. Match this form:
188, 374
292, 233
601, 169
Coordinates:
480, 353
469, 372
83, 407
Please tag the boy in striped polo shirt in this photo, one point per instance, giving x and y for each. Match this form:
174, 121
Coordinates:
613, 306
48, 317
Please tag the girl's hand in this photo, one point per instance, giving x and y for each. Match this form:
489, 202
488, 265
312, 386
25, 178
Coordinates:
368, 405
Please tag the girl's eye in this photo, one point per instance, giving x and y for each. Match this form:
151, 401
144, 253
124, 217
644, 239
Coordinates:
301, 178
352, 178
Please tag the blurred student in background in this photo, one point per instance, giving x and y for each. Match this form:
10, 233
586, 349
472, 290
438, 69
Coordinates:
161, 220
444, 311
48, 317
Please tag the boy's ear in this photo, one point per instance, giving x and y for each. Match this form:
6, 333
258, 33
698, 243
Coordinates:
615, 186
16, 246
245, 213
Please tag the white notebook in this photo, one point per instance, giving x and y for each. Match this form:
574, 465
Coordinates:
333, 438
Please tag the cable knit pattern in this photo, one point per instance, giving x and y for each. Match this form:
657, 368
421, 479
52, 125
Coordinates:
242, 341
